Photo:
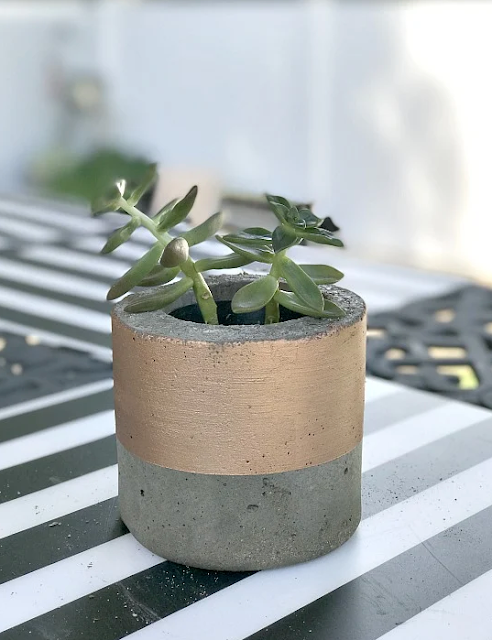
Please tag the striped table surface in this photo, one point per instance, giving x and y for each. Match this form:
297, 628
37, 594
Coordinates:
420, 563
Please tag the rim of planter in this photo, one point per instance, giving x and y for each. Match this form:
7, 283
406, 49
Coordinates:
223, 287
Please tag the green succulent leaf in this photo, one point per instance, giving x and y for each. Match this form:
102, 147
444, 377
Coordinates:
259, 232
332, 310
252, 237
161, 298
290, 301
309, 219
280, 206
149, 178
120, 236
135, 274
263, 254
165, 209
283, 238
178, 212
159, 275
205, 230
106, 203
231, 261
320, 236
278, 200
301, 284
322, 274
255, 295
294, 218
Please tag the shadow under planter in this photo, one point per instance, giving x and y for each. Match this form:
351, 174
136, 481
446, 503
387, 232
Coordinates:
239, 447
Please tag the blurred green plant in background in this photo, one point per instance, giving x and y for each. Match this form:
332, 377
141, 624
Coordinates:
86, 178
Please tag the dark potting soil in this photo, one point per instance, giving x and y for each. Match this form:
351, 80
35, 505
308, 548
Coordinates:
227, 317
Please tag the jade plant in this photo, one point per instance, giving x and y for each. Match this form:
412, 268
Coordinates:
168, 263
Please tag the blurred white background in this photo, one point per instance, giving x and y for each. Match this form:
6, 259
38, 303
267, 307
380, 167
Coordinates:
379, 111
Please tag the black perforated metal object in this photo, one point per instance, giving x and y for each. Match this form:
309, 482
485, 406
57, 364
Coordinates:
439, 344
30, 369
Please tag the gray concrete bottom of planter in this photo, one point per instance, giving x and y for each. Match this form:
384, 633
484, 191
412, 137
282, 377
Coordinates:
240, 523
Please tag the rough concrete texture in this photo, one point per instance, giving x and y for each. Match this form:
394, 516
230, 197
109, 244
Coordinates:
241, 523
160, 323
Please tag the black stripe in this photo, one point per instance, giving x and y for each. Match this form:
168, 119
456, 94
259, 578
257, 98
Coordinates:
394, 592
425, 467
96, 305
64, 537
8, 244
127, 606
39, 419
386, 412
45, 472
46, 324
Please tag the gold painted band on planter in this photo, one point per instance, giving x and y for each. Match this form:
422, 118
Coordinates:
247, 408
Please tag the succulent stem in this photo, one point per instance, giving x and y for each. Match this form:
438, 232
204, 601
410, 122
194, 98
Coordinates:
272, 308
203, 295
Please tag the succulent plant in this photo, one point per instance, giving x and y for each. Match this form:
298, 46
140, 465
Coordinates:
287, 284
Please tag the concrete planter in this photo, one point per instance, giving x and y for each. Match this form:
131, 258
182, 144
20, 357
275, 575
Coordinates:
239, 447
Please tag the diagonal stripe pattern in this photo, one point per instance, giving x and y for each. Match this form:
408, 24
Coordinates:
419, 565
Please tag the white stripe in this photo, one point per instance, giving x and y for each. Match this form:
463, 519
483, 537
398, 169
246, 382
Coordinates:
250, 605
56, 439
376, 299
128, 250
144, 236
132, 251
102, 353
28, 231
47, 279
31, 10
465, 614
55, 398
376, 389
81, 222
59, 257
53, 586
209, 249
398, 439
351, 264
55, 310
55, 502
